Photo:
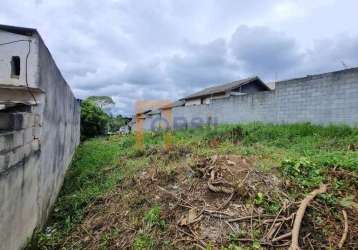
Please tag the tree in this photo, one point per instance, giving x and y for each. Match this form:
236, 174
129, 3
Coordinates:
93, 119
116, 122
106, 103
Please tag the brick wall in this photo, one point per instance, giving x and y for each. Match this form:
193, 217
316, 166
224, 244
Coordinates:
330, 98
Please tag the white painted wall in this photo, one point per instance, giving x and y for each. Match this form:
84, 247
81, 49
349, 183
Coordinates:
19, 49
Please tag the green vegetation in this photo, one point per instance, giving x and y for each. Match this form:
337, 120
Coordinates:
152, 217
101, 101
115, 122
94, 171
93, 120
96, 119
303, 154
143, 242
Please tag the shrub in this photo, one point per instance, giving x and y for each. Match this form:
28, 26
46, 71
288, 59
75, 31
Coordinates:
303, 171
93, 120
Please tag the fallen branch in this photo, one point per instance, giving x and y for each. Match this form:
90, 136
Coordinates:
300, 213
191, 235
345, 233
216, 212
225, 187
274, 226
249, 217
272, 231
218, 189
281, 237
280, 219
227, 201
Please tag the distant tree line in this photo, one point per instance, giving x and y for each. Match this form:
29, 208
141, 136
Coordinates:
96, 118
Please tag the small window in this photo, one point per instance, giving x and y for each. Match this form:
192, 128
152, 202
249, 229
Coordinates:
15, 67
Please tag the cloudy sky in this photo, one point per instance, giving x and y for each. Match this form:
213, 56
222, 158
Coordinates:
165, 49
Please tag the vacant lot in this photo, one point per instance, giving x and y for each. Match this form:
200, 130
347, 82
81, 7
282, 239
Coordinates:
228, 187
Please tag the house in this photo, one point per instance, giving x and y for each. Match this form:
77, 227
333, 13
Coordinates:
39, 132
244, 86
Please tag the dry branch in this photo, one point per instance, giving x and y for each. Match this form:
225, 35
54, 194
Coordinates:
281, 237
248, 217
300, 213
345, 233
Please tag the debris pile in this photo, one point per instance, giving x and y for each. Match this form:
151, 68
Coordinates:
219, 205
216, 201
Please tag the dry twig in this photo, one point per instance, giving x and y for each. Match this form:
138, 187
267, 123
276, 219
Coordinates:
345, 233
300, 213
249, 217
281, 237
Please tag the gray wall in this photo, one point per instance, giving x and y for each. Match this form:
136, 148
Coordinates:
330, 98
36, 156
18, 49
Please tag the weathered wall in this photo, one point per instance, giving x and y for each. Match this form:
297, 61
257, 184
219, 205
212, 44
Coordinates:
152, 122
34, 156
20, 49
330, 98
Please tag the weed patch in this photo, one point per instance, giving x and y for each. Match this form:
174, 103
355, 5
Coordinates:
216, 188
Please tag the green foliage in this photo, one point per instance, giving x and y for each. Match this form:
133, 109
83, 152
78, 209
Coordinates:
233, 246
101, 101
303, 171
348, 202
224, 133
93, 120
256, 244
305, 153
152, 217
143, 242
259, 199
272, 207
93, 172
116, 122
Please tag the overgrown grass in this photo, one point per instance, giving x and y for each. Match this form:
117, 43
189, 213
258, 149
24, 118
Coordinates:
304, 153
95, 169
331, 146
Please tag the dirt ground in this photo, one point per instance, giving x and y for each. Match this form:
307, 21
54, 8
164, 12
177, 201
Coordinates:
219, 202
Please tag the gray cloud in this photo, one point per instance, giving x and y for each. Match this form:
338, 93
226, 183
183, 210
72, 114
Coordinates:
332, 53
264, 51
158, 49
202, 64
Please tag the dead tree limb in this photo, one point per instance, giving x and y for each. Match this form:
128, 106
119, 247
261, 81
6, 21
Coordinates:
345, 233
281, 237
300, 213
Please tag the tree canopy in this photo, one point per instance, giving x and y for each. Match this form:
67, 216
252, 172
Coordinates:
101, 101
95, 120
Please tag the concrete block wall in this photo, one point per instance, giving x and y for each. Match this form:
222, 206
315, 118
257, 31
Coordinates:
18, 120
330, 98
321, 99
36, 145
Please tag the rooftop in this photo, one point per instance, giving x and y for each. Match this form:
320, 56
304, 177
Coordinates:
225, 87
18, 30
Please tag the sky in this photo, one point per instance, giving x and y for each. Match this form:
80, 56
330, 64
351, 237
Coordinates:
159, 49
